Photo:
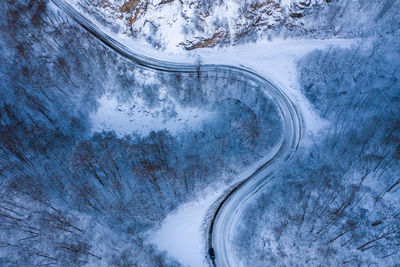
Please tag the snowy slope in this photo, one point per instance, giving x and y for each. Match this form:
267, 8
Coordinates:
174, 25
192, 24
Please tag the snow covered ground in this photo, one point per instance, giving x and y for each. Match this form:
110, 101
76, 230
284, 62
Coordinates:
181, 233
136, 117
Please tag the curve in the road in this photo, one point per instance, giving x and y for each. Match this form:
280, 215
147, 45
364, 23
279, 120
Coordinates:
227, 214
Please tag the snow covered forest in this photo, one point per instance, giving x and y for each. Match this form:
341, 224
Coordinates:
72, 196
337, 204
96, 150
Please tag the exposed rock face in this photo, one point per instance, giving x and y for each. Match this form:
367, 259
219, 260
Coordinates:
129, 6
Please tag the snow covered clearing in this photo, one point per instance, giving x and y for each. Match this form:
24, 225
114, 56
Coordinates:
181, 233
136, 117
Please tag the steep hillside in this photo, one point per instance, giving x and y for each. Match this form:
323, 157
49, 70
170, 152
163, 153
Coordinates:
192, 24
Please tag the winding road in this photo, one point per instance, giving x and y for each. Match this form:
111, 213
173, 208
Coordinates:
230, 208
